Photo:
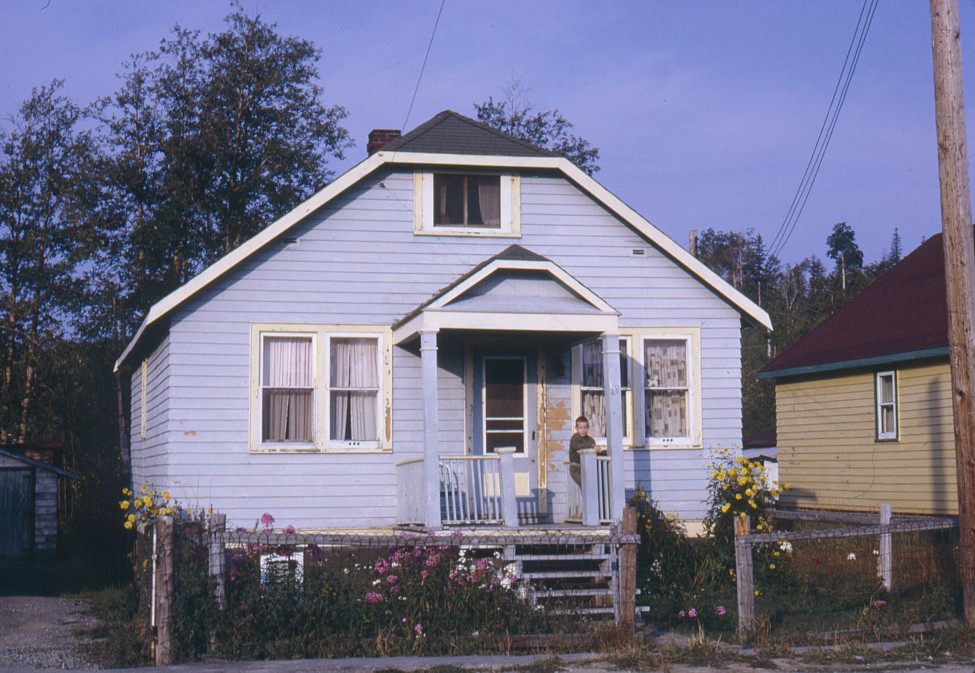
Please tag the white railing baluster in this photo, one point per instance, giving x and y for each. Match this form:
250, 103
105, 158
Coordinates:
471, 488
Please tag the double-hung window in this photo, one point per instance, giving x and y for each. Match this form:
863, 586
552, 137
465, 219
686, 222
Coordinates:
288, 389
324, 388
593, 391
886, 411
667, 390
456, 203
353, 390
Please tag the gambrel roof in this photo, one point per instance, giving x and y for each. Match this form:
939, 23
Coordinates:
903, 315
448, 140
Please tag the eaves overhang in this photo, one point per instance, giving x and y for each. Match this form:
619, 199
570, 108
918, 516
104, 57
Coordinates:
858, 363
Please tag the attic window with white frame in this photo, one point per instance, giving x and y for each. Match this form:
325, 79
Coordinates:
886, 405
466, 204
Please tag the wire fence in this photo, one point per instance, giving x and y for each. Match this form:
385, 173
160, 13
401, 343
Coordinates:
279, 593
852, 573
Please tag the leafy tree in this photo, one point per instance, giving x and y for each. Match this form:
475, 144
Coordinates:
44, 243
545, 128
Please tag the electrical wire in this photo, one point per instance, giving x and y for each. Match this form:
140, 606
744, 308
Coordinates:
827, 128
424, 66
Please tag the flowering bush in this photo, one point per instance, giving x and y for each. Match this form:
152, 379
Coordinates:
149, 503
415, 598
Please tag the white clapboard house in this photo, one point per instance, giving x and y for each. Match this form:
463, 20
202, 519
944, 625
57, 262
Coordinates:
411, 346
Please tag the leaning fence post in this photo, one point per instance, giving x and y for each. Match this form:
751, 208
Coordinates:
885, 562
744, 576
627, 571
217, 526
165, 588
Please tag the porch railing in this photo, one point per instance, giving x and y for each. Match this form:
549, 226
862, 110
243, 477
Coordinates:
470, 490
574, 497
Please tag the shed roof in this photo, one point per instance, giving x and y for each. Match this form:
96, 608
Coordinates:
902, 315
14, 455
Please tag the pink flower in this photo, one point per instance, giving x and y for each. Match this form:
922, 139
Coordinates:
879, 604
424, 574
391, 579
418, 628
382, 565
267, 521
290, 530
373, 597
720, 609
681, 614
692, 613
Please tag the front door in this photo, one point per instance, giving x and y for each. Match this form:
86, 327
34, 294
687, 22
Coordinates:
504, 414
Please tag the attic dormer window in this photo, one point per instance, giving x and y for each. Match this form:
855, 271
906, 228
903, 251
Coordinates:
467, 200
454, 203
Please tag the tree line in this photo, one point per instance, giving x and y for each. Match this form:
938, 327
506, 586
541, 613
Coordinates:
797, 297
108, 206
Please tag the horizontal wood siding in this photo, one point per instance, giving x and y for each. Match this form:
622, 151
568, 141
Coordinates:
149, 452
357, 261
829, 455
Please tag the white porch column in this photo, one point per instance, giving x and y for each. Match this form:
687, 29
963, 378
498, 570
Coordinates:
431, 429
509, 501
614, 424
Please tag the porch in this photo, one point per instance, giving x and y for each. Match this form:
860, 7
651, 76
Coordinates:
481, 491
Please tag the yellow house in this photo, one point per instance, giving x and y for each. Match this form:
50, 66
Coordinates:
863, 402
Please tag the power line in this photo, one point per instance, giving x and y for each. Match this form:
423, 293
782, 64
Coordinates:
424, 66
826, 129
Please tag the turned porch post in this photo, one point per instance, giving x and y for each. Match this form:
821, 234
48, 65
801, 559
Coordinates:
614, 424
431, 429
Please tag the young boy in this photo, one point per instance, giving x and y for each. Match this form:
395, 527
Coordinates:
580, 440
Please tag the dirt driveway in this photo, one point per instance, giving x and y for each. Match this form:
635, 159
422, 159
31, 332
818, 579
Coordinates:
42, 632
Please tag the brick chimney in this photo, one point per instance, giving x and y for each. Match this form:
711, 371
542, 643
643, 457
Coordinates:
379, 137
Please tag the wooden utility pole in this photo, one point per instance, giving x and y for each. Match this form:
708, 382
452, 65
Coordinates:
959, 248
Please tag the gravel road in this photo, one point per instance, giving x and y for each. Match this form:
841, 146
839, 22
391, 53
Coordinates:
43, 633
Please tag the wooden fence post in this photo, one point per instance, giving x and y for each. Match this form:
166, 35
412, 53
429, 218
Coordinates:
217, 527
885, 562
165, 588
744, 576
627, 571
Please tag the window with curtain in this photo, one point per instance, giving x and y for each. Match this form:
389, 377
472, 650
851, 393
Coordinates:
353, 389
467, 200
886, 405
287, 389
593, 402
667, 388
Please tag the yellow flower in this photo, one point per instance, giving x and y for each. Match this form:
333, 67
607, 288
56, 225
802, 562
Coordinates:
189, 511
725, 507
771, 566
130, 519
749, 492
742, 481
144, 488
787, 486
751, 503
165, 495
757, 592
126, 491
127, 525
737, 496
124, 504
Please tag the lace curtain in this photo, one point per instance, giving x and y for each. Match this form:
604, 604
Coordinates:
666, 408
489, 201
354, 388
287, 383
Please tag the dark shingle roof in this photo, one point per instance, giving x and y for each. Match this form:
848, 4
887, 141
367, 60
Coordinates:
903, 311
452, 133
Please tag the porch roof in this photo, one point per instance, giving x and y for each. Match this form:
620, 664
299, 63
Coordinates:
515, 290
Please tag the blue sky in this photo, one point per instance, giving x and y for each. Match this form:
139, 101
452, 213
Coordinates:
705, 112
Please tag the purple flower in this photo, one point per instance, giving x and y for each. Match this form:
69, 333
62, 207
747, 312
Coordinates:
373, 597
424, 574
720, 610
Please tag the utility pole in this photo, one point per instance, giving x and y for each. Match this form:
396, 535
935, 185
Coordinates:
959, 248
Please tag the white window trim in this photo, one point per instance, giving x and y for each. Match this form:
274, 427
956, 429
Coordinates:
626, 393
879, 405
423, 208
279, 447
321, 335
142, 402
